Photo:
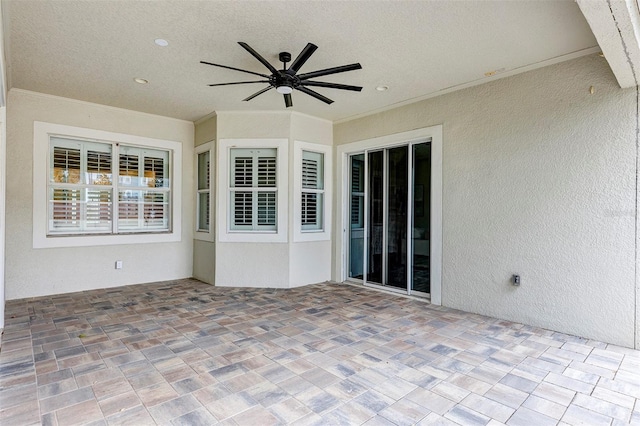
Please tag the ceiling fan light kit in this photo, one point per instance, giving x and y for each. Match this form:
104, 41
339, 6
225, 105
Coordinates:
286, 80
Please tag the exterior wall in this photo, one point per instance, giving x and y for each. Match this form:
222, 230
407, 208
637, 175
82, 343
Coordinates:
206, 130
252, 265
204, 252
309, 262
276, 265
34, 272
3, 97
3, 166
538, 180
204, 256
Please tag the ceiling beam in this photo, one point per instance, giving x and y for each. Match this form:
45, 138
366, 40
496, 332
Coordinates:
616, 26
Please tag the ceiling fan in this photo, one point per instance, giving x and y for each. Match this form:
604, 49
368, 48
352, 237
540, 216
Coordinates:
286, 80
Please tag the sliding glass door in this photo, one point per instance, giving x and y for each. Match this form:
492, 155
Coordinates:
375, 217
397, 220
388, 204
356, 216
421, 215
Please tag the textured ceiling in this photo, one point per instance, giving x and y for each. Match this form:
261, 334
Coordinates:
92, 50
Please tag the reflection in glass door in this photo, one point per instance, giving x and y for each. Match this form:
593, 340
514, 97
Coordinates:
375, 217
396, 223
356, 216
421, 215
389, 200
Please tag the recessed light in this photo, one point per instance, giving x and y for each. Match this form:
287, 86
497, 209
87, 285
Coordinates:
161, 42
140, 80
382, 88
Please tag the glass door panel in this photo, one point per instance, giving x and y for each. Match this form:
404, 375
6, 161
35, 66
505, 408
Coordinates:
421, 218
376, 217
356, 216
396, 224
384, 219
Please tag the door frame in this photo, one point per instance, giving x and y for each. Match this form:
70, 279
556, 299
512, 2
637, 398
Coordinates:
431, 134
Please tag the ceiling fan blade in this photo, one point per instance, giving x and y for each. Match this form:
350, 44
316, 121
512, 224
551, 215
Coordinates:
303, 57
335, 70
331, 85
258, 93
287, 100
314, 94
239, 82
258, 57
235, 69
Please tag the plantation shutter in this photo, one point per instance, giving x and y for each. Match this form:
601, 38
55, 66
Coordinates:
128, 197
253, 189
267, 200
204, 192
243, 200
66, 164
312, 190
154, 169
66, 205
83, 193
80, 187
357, 193
143, 196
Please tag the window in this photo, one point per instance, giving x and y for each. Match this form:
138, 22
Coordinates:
253, 177
82, 188
94, 188
312, 190
143, 190
253, 192
312, 186
204, 190
204, 195
357, 191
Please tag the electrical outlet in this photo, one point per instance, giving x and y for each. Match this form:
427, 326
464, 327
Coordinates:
515, 280
118, 264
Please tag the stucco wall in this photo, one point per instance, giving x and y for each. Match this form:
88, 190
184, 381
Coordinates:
35, 272
277, 265
204, 252
204, 257
539, 180
205, 130
252, 265
310, 263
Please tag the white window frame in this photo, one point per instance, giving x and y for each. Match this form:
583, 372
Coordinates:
324, 234
224, 231
41, 135
200, 149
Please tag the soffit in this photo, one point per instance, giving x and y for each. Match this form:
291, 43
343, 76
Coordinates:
92, 50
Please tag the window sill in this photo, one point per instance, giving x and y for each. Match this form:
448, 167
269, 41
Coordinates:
104, 240
204, 236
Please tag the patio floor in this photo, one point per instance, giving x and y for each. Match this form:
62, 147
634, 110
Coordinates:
186, 353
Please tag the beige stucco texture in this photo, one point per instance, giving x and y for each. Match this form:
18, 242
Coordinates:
538, 180
34, 272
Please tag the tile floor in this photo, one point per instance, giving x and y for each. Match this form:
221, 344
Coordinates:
185, 353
